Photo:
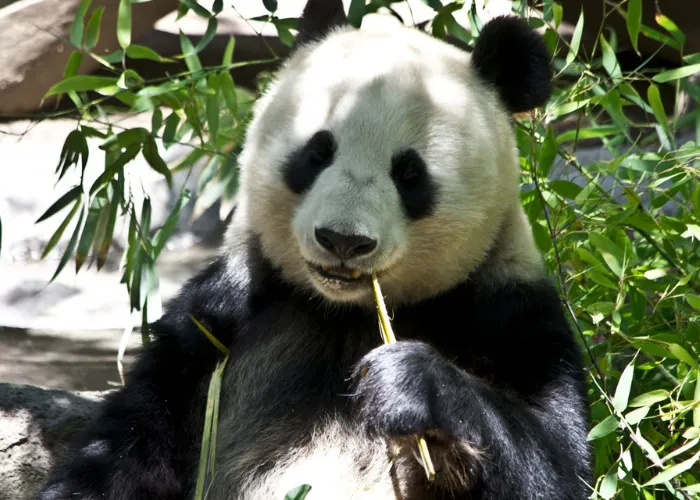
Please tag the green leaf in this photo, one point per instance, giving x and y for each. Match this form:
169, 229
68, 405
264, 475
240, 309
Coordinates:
679, 352
129, 79
152, 156
587, 133
672, 472
693, 300
603, 428
649, 398
212, 108
162, 235
608, 486
270, 5
171, 123
136, 51
106, 240
575, 40
92, 33
565, 189
81, 83
229, 92
356, 12
156, 121
88, 234
622, 392
114, 167
61, 203
672, 28
124, 24
197, 8
73, 64
548, 153
69, 249
190, 54
676, 74
298, 493
208, 34
636, 416
634, 21
76, 32
61, 228
610, 61
656, 105
218, 6
227, 60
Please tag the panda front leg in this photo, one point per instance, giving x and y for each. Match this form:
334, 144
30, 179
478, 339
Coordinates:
485, 443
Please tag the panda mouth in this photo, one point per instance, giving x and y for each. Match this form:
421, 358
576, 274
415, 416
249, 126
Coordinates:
340, 273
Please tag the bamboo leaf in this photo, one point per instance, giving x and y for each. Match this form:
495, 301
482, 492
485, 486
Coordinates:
649, 398
152, 156
61, 203
81, 83
298, 493
634, 21
356, 12
136, 51
228, 90
208, 35
549, 152
88, 234
92, 32
603, 428
71, 246
211, 337
212, 107
124, 24
76, 32
271, 5
676, 74
672, 472
622, 392
189, 54
227, 60
575, 40
197, 8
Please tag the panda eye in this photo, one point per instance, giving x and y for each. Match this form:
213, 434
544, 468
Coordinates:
408, 168
413, 183
304, 165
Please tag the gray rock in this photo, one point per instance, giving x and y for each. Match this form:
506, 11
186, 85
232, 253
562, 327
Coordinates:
36, 425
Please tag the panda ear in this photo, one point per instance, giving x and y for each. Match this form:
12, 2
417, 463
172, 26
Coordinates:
317, 19
513, 58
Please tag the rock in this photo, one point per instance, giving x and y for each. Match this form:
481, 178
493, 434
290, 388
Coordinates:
36, 425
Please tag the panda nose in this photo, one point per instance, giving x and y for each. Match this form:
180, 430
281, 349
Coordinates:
345, 246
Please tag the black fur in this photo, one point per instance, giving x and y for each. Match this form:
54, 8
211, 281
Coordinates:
417, 190
318, 19
497, 367
304, 165
514, 59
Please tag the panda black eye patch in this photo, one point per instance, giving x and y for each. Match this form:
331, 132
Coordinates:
417, 190
304, 164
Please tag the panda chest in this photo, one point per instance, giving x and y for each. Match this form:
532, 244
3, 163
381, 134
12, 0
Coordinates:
284, 418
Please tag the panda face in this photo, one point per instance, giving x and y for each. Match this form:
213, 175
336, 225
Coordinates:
377, 152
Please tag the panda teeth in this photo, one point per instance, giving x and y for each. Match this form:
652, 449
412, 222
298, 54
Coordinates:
354, 274
326, 268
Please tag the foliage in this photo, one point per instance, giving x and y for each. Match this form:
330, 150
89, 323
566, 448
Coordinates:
620, 234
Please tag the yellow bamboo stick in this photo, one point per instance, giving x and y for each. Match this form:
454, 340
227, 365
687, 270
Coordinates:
388, 337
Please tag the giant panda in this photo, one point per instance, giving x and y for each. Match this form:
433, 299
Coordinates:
382, 151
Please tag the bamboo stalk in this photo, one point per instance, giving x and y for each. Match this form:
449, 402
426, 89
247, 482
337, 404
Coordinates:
389, 338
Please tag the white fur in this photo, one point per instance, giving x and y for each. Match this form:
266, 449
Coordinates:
379, 92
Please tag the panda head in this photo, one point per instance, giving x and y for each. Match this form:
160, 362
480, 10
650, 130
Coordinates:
390, 151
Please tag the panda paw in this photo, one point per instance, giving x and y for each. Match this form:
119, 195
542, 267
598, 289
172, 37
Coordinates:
404, 389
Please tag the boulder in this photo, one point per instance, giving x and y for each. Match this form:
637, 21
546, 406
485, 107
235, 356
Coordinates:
36, 425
